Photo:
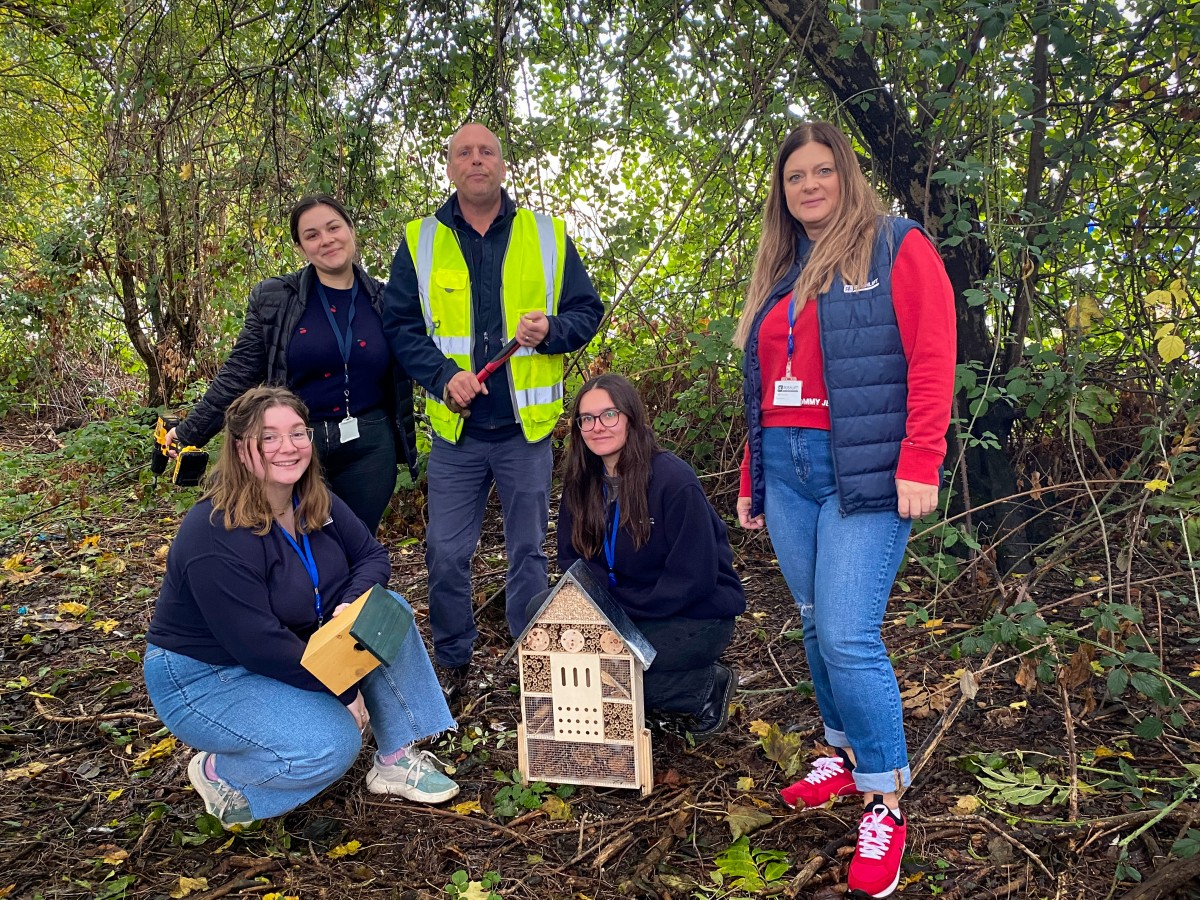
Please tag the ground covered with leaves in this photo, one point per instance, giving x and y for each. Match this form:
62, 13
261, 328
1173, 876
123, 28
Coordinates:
1051, 724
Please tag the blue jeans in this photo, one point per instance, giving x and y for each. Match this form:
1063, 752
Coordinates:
362, 472
840, 570
280, 745
460, 476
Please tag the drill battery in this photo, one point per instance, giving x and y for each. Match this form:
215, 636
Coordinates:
187, 468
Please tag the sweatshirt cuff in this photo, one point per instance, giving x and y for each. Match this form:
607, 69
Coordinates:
744, 480
921, 466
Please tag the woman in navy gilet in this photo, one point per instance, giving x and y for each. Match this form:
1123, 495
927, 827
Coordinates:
849, 340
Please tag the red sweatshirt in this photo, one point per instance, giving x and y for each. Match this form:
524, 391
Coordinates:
924, 304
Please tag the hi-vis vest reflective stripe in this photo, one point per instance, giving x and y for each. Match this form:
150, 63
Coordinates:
531, 279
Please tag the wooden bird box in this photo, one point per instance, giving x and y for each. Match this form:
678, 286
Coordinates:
581, 661
367, 633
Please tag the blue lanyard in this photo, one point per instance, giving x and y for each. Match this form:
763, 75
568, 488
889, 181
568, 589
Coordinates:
610, 538
345, 341
310, 564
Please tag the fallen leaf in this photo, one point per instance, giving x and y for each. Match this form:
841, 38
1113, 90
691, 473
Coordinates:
475, 891
557, 808
347, 849
29, 771
968, 684
163, 748
92, 540
783, 749
113, 795
188, 886
966, 804
1027, 674
759, 728
1105, 753
745, 783
465, 809
1158, 484
114, 855
1078, 670
71, 608
745, 819
105, 625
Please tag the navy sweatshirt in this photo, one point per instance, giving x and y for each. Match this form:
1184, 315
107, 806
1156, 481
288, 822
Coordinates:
685, 568
235, 598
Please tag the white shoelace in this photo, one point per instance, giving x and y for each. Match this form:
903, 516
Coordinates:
824, 768
875, 833
419, 763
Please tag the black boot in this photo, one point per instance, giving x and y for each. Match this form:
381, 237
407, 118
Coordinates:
452, 679
714, 714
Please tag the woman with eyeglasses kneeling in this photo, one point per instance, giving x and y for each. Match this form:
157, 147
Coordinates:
639, 517
260, 562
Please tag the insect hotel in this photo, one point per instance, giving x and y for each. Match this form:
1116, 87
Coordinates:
581, 662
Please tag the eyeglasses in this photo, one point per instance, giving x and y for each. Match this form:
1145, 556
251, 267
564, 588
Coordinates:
273, 443
608, 418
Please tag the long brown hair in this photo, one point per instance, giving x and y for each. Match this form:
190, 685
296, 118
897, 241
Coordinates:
583, 480
845, 244
238, 492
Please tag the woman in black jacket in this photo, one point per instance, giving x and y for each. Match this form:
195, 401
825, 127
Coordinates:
310, 332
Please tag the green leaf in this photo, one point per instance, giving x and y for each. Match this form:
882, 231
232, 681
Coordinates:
743, 820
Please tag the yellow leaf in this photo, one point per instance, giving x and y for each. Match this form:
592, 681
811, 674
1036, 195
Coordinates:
92, 540
1105, 753
475, 891
758, 615
1159, 298
1020, 704
347, 849
1164, 330
42, 696
932, 623
1171, 348
1083, 313
162, 749
115, 857
29, 771
188, 885
465, 809
113, 795
7, 890
185, 171
1158, 484
558, 809
759, 728
1093, 578
745, 783
105, 625
966, 804
71, 608
1179, 290
1195, 673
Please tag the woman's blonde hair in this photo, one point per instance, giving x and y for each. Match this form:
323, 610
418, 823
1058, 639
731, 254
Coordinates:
845, 243
238, 492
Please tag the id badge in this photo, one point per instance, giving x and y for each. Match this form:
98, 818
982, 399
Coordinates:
789, 392
348, 429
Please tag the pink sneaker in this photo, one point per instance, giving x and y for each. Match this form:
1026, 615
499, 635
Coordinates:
875, 869
828, 779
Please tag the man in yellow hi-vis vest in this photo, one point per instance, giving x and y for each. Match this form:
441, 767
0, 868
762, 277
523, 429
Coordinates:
463, 283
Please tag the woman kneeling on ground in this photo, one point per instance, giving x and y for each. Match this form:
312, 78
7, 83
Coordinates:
263, 559
638, 515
